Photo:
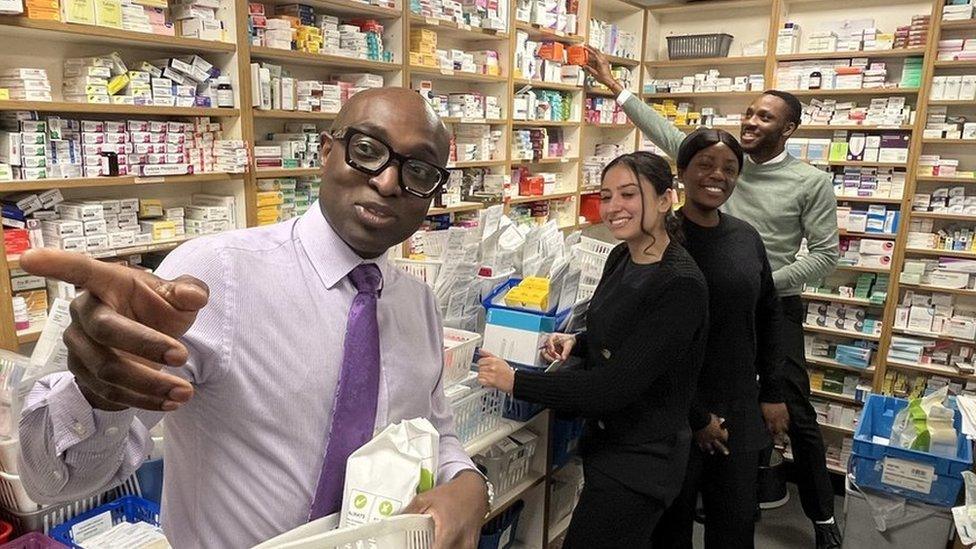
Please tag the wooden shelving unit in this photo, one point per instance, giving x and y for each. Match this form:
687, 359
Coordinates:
36, 29
99, 109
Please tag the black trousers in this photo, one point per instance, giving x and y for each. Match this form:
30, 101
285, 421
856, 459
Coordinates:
610, 515
806, 440
728, 488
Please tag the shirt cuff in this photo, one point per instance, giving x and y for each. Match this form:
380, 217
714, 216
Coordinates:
623, 96
75, 421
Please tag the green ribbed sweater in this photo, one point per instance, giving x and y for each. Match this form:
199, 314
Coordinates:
785, 201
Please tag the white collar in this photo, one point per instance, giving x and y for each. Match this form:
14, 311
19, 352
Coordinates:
774, 160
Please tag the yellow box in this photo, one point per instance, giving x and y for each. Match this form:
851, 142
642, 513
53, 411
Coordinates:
108, 13
79, 11
116, 84
150, 207
159, 229
416, 58
4, 94
816, 380
270, 198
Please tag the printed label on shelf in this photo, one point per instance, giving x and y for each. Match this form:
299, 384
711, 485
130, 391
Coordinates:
466, 120
433, 21
564, 160
148, 180
464, 26
909, 475
448, 72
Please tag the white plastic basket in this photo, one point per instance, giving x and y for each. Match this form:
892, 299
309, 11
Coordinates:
506, 468
399, 532
424, 269
44, 518
459, 346
476, 413
434, 242
489, 283
585, 292
591, 266
9, 448
13, 496
598, 247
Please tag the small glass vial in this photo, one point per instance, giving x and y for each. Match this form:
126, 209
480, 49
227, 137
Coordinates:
816, 80
225, 93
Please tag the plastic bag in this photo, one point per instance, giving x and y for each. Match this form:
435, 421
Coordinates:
384, 475
911, 429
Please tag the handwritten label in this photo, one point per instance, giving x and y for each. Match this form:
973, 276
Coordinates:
909, 475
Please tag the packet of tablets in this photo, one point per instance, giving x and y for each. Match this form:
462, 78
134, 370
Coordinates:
131, 535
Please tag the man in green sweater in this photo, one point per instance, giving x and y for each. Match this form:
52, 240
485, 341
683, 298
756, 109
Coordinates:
786, 200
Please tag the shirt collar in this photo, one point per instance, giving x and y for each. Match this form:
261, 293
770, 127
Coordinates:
330, 256
774, 160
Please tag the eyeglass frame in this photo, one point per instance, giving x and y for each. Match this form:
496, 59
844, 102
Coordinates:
346, 134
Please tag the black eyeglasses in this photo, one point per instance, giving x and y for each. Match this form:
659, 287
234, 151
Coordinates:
372, 155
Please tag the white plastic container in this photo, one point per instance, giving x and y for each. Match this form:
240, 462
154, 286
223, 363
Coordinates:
399, 532
9, 448
13, 496
459, 346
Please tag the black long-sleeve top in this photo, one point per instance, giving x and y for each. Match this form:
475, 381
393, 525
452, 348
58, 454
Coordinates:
641, 355
744, 332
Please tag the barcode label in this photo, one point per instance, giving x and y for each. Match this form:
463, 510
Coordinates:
909, 475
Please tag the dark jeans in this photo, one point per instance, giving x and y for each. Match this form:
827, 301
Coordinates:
610, 515
728, 488
806, 441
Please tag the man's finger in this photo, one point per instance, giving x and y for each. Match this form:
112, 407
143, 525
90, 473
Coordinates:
108, 367
721, 448
185, 293
122, 396
107, 327
75, 268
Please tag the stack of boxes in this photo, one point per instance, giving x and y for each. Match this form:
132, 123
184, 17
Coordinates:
950, 237
957, 49
706, 82
957, 10
945, 272
911, 73
593, 166
840, 316
423, 47
866, 252
539, 143
914, 35
25, 84
445, 10
870, 182
276, 89
942, 126
610, 39
197, 19
876, 219
548, 61
934, 314
137, 19
604, 110
945, 200
543, 105
933, 165
788, 39
472, 142
882, 111
45, 10
684, 113
296, 147
854, 73
557, 15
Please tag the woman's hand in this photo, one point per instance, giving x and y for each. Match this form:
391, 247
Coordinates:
495, 372
598, 67
558, 347
713, 437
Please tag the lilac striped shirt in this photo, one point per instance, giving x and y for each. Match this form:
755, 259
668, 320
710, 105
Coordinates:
243, 456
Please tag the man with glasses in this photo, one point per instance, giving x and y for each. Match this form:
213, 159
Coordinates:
272, 352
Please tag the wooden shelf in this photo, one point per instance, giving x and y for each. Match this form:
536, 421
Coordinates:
946, 179
671, 7
456, 76
841, 333
450, 28
271, 173
42, 31
476, 164
953, 102
547, 85
554, 123
969, 63
870, 199
944, 253
625, 126
457, 208
831, 363
320, 59
860, 164
707, 61
939, 289
462, 120
30, 335
879, 236
294, 115
346, 7
714, 95
622, 61
950, 217
853, 127
834, 298
934, 369
13, 261
872, 54
836, 428
564, 160
537, 33
949, 141
836, 397
860, 269
89, 182
967, 24
97, 108
554, 196
929, 335
862, 91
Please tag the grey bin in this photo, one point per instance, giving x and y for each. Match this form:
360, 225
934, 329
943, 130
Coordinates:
913, 526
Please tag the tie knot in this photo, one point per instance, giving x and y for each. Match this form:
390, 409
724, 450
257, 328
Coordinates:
367, 278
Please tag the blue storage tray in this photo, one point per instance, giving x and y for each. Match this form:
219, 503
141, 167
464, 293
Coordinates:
128, 509
489, 303
504, 525
150, 477
867, 460
565, 439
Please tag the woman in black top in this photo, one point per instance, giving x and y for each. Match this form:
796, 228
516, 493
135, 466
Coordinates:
727, 414
640, 360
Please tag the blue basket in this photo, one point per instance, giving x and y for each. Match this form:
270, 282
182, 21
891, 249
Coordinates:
499, 533
488, 303
150, 477
127, 509
565, 440
868, 457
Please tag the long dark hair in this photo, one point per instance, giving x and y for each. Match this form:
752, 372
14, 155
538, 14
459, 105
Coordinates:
657, 172
703, 138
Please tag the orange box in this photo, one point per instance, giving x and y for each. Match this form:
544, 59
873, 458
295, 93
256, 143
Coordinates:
577, 55
531, 186
553, 51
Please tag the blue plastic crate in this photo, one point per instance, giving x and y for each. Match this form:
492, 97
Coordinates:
150, 476
869, 457
501, 290
127, 509
499, 533
565, 440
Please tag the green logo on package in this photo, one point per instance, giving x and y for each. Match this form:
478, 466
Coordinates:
386, 508
359, 502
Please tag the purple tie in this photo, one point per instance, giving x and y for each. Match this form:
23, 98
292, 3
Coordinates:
354, 415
